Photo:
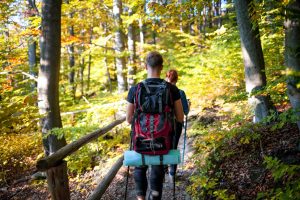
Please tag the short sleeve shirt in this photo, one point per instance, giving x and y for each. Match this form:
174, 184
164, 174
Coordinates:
173, 90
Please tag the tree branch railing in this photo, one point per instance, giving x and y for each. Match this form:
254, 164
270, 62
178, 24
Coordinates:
55, 161
101, 188
57, 157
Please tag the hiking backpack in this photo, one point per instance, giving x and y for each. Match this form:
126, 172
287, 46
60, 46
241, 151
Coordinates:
153, 121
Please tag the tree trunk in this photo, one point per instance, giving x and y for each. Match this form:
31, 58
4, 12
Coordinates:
81, 74
210, 15
191, 24
119, 46
154, 33
71, 58
89, 62
132, 52
204, 21
141, 45
292, 55
82, 58
48, 79
218, 13
180, 16
107, 73
32, 60
32, 46
72, 64
48, 95
141, 34
253, 60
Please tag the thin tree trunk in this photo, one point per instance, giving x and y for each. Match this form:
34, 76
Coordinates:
292, 55
198, 20
153, 34
210, 15
107, 73
32, 60
81, 75
32, 47
119, 46
109, 81
82, 58
71, 57
180, 16
48, 85
204, 21
218, 8
253, 60
89, 62
141, 34
132, 52
191, 24
72, 64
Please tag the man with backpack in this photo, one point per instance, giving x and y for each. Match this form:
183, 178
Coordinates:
154, 108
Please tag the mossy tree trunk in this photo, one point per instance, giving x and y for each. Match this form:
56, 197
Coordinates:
254, 64
292, 55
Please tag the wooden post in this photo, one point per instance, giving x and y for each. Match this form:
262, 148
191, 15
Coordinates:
101, 188
58, 183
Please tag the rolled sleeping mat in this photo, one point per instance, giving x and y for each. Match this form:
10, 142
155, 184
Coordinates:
132, 158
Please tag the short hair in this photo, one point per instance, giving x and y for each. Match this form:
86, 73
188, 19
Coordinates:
172, 75
154, 59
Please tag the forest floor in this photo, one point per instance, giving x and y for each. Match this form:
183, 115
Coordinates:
240, 167
243, 171
23, 187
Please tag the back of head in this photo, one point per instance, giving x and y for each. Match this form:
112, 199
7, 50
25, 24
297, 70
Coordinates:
172, 76
154, 60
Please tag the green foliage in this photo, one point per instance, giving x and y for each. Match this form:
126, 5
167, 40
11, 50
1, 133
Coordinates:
287, 177
279, 170
109, 145
105, 147
17, 153
18, 105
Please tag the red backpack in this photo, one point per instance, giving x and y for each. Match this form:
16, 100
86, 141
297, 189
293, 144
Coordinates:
153, 121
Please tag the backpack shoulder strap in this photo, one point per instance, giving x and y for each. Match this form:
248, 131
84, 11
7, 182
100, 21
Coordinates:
146, 86
168, 93
137, 99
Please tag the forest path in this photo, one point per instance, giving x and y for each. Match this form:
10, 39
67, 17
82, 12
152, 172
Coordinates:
116, 189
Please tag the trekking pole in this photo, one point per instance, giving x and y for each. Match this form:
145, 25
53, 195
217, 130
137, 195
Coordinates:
174, 185
127, 175
184, 139
126, 187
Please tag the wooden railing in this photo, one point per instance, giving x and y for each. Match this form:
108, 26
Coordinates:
58, 179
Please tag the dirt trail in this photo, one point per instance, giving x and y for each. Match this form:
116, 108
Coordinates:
81, 188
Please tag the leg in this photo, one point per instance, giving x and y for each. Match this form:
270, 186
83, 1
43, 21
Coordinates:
178, 133
156, 182
140, 180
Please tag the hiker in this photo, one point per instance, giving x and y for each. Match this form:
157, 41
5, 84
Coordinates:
172, 77
154, 65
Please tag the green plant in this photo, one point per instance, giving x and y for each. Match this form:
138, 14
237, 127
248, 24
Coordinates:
287, 177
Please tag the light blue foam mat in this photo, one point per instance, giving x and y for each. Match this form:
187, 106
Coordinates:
132, 158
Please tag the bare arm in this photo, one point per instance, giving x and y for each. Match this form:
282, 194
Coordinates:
129, 112
178, 110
